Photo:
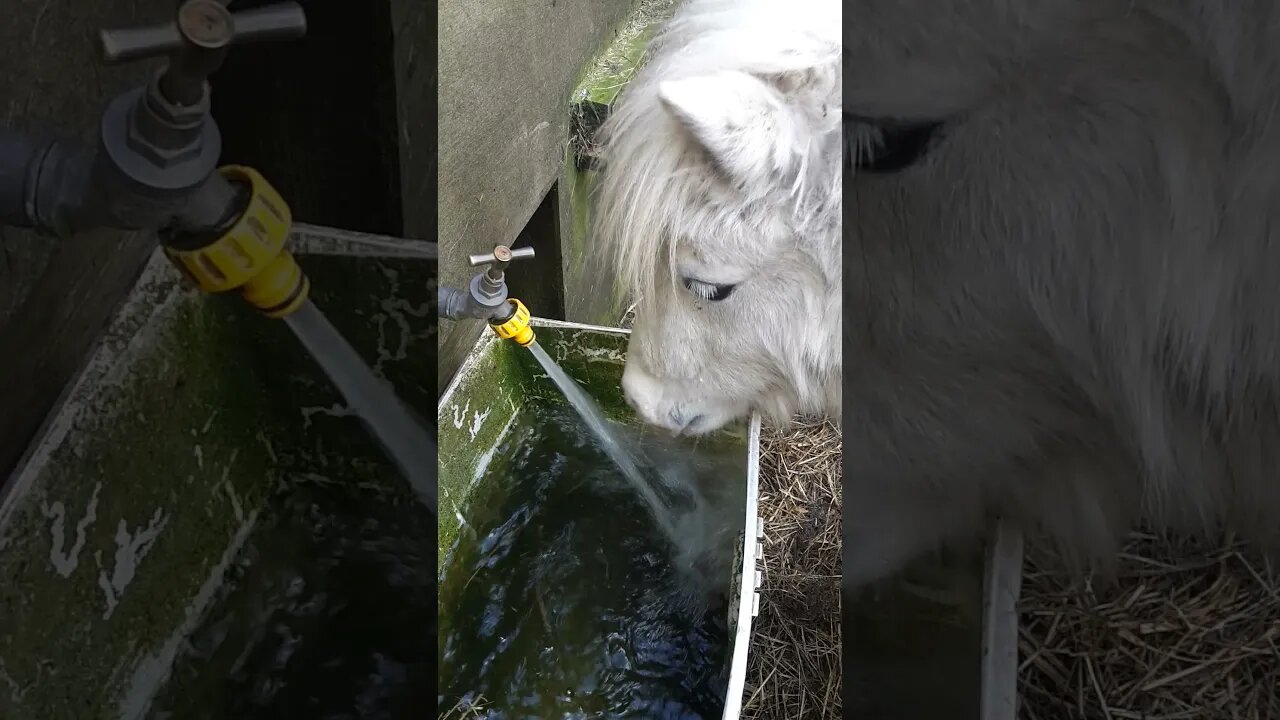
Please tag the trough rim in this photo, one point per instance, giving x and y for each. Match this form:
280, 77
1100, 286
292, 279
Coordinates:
749, 580
1002, 590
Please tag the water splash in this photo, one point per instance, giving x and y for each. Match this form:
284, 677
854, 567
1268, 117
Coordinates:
402, 435
668, 492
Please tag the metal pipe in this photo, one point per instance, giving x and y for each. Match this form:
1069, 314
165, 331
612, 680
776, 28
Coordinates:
154, 166
44, 184
211, 210
455, 304
486, 297
20, 159
59, 188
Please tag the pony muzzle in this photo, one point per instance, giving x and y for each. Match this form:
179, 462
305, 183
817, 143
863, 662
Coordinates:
669, 406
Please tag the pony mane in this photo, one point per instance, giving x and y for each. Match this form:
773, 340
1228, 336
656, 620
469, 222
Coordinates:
656, 177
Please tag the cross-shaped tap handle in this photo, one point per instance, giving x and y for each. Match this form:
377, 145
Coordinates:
204, 26
497, 259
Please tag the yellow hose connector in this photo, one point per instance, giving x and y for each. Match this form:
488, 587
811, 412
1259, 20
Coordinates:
251, 255
515, 328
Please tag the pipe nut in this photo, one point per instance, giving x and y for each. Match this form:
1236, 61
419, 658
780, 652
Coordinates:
516, 327
249, 248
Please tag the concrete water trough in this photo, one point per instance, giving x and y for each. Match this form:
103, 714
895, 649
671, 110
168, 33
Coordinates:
480, 415
200, 489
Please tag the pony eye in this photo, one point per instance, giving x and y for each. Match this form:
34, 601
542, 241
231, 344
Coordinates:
709, 291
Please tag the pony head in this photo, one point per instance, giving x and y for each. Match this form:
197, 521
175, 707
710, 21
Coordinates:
720, 208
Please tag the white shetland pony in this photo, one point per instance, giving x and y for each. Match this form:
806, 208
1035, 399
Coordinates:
1062, 238
721, 206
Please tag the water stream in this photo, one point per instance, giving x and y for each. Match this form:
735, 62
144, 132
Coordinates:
402, 436
671, 499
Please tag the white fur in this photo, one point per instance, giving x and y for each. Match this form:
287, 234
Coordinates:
722, 164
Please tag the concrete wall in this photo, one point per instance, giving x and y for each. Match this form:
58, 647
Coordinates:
507, 71
317, 115
413, 24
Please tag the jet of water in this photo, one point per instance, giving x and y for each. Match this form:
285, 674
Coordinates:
677, 524
403, 438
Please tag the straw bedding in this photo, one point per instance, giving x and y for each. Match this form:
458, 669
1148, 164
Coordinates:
1188, 630
794, 666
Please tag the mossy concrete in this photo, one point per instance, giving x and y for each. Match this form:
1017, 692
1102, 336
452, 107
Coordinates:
125, 504
140, 489
595, 299
617, 63
497, 379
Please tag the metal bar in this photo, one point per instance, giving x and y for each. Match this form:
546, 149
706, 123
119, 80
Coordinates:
320, 239
1000, 623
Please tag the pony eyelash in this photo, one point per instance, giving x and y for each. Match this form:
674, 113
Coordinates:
708, 291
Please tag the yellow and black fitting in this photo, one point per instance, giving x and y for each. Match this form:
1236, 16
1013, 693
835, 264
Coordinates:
251, 256
515, 327
279, 289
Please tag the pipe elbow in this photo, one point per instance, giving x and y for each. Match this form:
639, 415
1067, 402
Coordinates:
66, 203
20, 158
450, 303
45, 184
456, 304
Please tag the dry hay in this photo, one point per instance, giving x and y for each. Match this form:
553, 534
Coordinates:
1189, 631
794, 666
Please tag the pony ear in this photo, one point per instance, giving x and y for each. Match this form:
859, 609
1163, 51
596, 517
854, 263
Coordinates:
740, 121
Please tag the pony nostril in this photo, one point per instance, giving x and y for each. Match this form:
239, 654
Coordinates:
682, 424
692, 424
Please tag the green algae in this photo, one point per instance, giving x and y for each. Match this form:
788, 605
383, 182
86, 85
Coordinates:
494, 383
154, 478
193, 413
615, 65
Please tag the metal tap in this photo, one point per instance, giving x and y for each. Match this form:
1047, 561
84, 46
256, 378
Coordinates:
155, 163
486, 294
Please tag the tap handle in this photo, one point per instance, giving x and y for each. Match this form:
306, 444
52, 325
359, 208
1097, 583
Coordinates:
197, 42
501, 255
203, 26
